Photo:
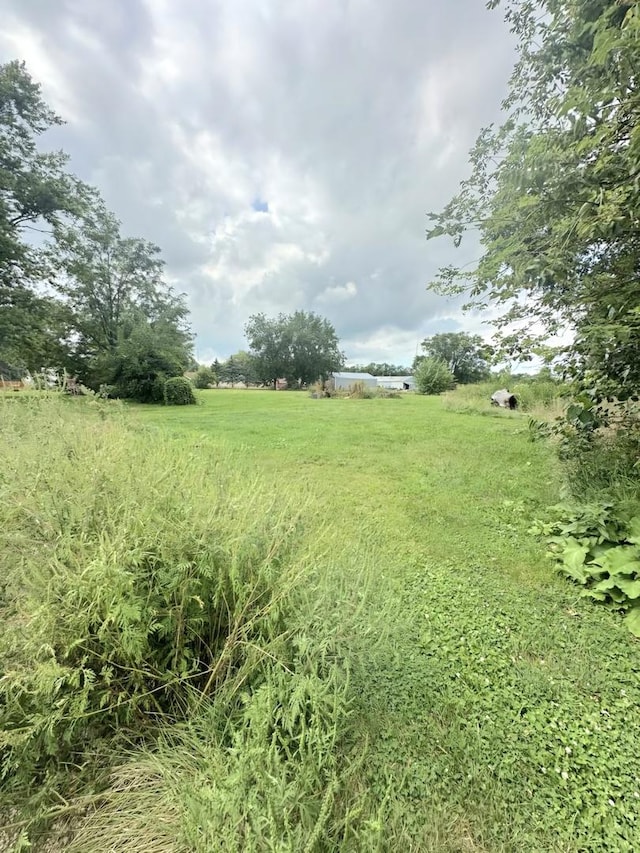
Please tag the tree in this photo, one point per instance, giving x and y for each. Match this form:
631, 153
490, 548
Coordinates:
432, 376
141, 361
553, 194
381, 369
465, 355
35, 193
215, 369
301, 347
119, 306
244, 368
229, 373
205, 377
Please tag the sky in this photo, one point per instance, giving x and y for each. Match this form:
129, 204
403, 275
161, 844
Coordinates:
282, 153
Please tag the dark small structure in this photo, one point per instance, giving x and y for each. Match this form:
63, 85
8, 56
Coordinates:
505, 399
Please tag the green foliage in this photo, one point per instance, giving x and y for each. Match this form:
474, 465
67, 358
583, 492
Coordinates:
34, 186
174, 589
105, 286
490, 667
301, 348
543, 397
598, 547
162, 577
380, 369
127, 324
178, 391
553, 191
598, 442
239, 367
432, 376
204, 378
139, 364
489, 706
466, 356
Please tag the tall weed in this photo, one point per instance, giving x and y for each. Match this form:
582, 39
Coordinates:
133, 569
159, 593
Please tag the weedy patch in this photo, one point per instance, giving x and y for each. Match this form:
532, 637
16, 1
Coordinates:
597, 546
149, 582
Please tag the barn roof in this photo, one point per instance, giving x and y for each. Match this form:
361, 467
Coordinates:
347, 375
395, 378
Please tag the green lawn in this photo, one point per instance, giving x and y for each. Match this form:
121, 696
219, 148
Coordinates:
494, 709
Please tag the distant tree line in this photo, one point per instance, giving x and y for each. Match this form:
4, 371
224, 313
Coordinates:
381, 368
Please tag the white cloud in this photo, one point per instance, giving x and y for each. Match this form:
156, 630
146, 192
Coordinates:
345, 121
339, 293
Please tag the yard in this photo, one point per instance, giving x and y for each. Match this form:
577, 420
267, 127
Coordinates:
498, 711
488, 707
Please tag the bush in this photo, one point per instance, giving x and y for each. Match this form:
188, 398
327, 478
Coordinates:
205, 377
178, 391
432, 376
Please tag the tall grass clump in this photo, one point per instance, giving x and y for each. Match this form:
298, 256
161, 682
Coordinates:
544, 398
155, 591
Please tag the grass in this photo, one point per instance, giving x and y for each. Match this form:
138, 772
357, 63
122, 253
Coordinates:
489, 707
496, 679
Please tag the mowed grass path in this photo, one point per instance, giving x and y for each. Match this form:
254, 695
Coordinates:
496, 710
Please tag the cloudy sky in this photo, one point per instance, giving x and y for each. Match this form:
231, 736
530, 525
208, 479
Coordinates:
283, 153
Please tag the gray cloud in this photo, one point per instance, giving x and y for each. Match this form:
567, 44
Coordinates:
348, 119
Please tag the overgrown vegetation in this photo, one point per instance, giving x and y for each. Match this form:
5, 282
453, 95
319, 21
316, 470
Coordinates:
541, 396
178, 391
497, 712
598, 547
401, 688
433, 376
138, 595
360, 391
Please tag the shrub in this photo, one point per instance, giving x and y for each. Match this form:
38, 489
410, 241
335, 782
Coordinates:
432, 376
178, 391
205, 377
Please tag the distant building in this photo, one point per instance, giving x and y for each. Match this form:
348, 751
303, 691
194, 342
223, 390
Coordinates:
396, 383
345, 380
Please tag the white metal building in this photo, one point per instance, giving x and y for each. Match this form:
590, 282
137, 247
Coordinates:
396, 383
346, 380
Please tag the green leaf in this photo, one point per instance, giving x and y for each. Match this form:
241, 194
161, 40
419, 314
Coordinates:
630, 588
573, 558
633, 530
632, 621
620, 560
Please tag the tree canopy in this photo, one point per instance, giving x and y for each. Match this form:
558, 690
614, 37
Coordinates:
381, 368
466, 356
553, 196
82, 298
36, 192
301, 347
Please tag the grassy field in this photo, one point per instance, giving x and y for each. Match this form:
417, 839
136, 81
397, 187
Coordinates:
456, 695
499, 711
